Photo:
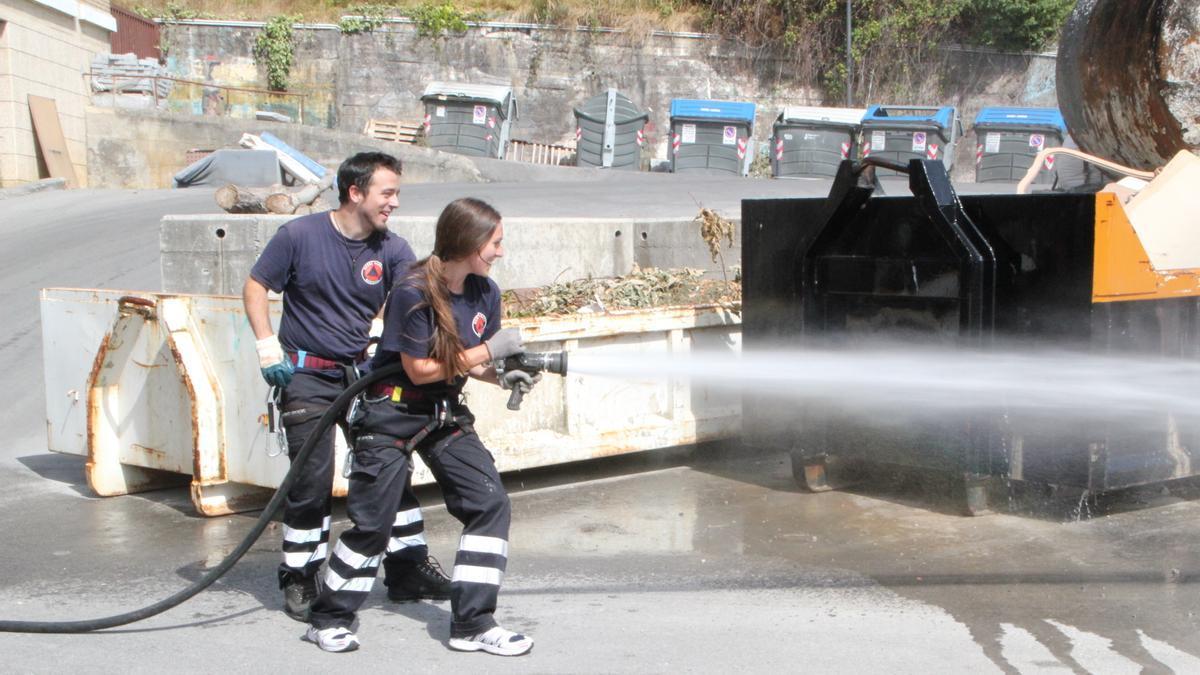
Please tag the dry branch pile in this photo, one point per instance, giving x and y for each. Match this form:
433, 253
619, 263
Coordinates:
640, 289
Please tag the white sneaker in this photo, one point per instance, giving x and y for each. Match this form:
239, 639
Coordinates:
336, 639
494, 641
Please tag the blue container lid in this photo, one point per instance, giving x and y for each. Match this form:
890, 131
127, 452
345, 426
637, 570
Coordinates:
1022, 117
728, 111
881, 114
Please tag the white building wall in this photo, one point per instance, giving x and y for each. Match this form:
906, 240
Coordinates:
45, 48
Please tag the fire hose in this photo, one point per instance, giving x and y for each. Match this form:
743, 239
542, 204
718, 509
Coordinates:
531, 363
324, 423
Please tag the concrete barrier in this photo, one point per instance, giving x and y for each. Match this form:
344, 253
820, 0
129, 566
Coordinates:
214, 254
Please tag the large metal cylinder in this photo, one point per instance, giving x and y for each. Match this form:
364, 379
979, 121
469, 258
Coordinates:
1129, 79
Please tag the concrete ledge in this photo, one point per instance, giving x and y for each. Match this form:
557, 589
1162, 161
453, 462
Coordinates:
31, 188
213, 254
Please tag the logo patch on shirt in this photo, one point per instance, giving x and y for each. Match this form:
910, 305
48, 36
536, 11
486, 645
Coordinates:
478, 324
372, 272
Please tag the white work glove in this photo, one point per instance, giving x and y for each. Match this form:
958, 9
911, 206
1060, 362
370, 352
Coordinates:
505, 343
373, 336
276, 368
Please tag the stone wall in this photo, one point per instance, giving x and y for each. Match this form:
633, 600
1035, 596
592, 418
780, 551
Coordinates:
349, 79
44, 51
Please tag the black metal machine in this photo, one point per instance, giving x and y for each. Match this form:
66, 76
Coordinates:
1037, 270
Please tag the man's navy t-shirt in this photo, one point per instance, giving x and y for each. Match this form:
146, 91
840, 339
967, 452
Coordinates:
408, 326
332, 286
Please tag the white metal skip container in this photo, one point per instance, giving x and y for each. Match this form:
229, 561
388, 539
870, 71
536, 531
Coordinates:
153, 387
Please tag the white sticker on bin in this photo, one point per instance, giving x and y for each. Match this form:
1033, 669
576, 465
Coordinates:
918, 141
878, 141
991, 143
689, 133
440, 111
480, 114
729, 136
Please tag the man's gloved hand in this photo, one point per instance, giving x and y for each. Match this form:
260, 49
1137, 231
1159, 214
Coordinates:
277, 369
519, 379
505, 343
373, 336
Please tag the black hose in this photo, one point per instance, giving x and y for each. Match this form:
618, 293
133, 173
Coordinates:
326, 420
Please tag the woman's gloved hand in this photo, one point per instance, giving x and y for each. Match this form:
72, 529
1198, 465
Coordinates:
505, 343
519, 379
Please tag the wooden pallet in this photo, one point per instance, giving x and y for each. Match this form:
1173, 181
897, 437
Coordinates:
540, 153
394, 130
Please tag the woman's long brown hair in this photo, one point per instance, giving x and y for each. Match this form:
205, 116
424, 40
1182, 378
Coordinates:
464, 227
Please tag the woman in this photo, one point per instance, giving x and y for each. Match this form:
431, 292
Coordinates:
442, 322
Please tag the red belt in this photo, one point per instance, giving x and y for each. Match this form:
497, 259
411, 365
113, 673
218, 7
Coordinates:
306, 360
395, 393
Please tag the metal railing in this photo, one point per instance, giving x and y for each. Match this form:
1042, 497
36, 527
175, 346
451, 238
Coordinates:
207, 88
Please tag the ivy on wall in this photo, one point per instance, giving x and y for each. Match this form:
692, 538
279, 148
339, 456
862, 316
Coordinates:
363, 18
274, 49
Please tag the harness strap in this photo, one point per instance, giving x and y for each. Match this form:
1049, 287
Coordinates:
407, 445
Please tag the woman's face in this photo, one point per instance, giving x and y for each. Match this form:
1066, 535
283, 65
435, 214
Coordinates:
481, 262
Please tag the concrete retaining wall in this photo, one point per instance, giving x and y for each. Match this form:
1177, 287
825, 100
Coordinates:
351, 78
552, 70
213, 254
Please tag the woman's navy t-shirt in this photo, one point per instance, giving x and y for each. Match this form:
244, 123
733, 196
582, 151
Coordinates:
332, 286
408, 326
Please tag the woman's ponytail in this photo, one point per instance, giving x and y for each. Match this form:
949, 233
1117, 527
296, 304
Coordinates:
446, 348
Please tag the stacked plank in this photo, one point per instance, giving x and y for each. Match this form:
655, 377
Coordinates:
127, 74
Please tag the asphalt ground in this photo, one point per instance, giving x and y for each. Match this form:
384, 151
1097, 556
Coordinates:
686, 560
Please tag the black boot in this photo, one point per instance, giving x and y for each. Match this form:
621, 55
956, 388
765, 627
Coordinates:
298, 595
422, 580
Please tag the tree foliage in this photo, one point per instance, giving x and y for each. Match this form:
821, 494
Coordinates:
1014, 24
891, 38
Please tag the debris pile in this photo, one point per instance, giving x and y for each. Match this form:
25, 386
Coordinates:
640, 289
127, 74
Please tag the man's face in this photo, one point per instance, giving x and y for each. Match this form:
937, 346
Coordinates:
382, 195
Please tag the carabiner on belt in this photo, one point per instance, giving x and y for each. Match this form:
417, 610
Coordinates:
275, 427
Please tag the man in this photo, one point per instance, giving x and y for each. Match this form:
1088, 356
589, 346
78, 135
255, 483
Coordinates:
334, 269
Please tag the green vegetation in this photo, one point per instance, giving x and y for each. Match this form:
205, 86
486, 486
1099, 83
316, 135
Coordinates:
891, 38
435, 19
274, 48
364, 18
1014, 24
172, 11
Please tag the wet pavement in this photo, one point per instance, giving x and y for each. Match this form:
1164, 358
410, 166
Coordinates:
676, 561
673, 561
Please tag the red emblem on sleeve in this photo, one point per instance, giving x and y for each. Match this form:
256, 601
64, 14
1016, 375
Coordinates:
478, 324
372, 272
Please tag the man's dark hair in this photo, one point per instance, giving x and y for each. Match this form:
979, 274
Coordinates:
357, 170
